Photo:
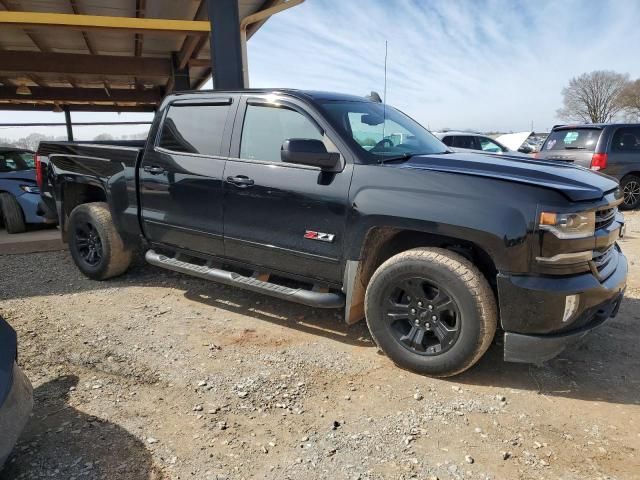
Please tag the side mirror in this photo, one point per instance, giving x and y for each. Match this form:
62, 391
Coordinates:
525, 149
306, 151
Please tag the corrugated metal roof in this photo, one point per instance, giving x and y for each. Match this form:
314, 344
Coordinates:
38, 58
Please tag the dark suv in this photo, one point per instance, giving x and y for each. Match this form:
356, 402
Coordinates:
613, 149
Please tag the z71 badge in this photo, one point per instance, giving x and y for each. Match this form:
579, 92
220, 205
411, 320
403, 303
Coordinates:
321, 237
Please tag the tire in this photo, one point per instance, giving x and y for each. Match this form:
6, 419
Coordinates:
91, 229
455, 308
630, 186
12, 214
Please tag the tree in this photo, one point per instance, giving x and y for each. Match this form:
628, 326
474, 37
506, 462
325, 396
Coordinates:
31, 141
105, 137
630, 99
593, 97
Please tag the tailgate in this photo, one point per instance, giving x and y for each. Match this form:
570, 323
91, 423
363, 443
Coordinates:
572, 145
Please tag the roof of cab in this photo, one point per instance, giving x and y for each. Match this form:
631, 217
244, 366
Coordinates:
306, 94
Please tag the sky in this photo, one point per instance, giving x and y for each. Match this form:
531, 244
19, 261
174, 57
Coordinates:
486, 65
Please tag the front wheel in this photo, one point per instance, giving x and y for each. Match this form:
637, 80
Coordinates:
95, 244
630, 185
431, 311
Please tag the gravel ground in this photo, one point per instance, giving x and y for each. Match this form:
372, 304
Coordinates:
157, 375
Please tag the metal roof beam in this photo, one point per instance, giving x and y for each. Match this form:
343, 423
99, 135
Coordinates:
78, 64
99, 22
78, 108
63, 95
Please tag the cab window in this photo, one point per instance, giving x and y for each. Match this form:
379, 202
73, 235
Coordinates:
194, 128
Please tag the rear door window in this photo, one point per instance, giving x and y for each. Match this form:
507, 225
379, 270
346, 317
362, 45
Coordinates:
194, 128
626, 139
573, 139
465, 141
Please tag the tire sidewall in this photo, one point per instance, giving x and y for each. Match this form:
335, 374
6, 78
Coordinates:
464, 350
83, 214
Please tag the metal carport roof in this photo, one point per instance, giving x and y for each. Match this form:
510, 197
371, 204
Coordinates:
120, 55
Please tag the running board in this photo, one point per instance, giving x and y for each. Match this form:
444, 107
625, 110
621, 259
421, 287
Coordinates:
311, 298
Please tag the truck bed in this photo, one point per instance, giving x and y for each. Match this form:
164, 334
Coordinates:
109, 165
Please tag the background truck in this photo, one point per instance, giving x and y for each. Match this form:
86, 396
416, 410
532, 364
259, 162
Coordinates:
272, 191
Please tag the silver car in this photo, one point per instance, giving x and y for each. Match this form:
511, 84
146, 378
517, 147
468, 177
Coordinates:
468, 141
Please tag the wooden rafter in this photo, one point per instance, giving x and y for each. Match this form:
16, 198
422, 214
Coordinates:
70, 95
100, 22
71, 63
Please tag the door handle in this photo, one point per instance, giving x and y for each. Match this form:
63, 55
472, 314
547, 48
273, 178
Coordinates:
241, 181
153, 169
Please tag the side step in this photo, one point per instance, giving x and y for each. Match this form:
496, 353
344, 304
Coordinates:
299, 295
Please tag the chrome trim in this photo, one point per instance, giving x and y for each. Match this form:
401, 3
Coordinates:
567, 258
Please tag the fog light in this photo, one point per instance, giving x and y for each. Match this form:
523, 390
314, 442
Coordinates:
570, 306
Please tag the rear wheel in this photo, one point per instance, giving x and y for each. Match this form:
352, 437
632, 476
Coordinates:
431, 311
12, 214
631, 190
95, 244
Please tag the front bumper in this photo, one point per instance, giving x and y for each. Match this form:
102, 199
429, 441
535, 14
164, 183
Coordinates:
32, 208
532, 310
14, 413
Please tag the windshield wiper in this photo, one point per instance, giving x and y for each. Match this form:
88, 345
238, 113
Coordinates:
407, 156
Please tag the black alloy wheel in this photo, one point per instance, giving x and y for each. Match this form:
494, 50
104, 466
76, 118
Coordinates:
88, 243
422, 316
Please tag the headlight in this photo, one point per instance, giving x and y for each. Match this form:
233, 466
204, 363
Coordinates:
29, 188
569, 225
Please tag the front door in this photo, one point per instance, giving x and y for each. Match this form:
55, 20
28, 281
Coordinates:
181, 176
279, 216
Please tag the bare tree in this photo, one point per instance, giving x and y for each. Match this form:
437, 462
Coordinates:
593, 97
103, 137
630, 99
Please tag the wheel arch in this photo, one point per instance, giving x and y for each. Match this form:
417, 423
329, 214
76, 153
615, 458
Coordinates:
381, 243
73, 193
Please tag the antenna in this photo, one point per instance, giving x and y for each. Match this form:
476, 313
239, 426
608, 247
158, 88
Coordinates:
384, 94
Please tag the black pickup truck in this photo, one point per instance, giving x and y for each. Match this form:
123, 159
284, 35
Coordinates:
337, 201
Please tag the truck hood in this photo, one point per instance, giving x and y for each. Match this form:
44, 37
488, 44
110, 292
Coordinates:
20, 175
576, 183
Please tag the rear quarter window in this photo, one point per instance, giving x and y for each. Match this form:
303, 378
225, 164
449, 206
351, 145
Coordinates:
626, 139
573, 139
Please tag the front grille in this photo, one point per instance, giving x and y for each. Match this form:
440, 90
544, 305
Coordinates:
605, 217
604, 262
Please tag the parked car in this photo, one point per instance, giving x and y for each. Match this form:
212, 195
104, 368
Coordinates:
475, 141
16, 394
613, 149
272, 191
19, 193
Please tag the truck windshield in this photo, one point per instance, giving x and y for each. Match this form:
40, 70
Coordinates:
381, 133
12, 161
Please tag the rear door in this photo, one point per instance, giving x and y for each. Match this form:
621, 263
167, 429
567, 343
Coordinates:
181, 175
571, 144
625, 152
283, 217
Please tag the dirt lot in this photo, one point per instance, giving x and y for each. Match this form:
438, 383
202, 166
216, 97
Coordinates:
157, 375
